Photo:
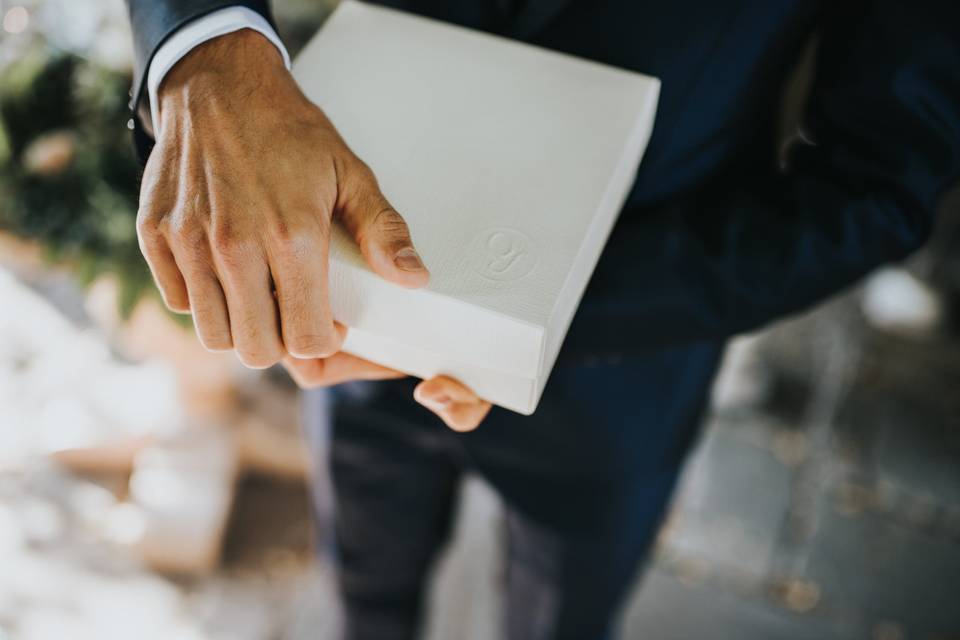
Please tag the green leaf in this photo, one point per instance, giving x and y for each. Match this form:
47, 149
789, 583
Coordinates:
4, 145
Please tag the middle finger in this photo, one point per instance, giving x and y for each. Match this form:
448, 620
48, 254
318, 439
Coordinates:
246, 282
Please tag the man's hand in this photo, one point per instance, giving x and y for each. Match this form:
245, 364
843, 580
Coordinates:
459, 407
237, 202
236, 205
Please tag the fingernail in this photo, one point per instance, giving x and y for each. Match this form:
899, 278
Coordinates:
408, 260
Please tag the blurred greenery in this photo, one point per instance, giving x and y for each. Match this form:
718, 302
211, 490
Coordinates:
68, 174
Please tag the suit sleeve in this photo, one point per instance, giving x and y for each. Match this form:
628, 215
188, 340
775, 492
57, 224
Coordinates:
152, 22
884, 119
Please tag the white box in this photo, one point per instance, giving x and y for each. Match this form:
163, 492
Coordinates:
509, 163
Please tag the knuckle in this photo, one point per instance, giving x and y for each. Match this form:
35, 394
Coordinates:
178, 224
357, 169
382, 227
312, 346
227, 240
211, 330
216, 341
259, 358
197, 270
189, 237
222, 240
290, 243
148, 225
176, 302
391, 224
360, 181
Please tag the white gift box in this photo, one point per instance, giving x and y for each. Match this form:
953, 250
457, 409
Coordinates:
508, 162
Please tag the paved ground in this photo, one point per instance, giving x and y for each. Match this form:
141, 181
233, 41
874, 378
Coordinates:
823, 502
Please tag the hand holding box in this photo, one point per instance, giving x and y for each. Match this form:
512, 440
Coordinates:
509, 164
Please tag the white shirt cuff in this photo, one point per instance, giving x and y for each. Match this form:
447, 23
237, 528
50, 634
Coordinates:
185, 39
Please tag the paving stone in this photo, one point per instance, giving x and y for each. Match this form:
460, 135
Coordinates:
667, 609
919, 452
888, 571
730, 505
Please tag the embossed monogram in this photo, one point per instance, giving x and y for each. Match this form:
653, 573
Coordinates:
502, 253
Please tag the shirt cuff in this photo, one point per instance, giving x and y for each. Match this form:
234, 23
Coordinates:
185, 39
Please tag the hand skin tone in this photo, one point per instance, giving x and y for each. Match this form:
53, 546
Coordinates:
237, 201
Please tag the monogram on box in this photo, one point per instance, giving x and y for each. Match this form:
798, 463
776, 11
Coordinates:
509, 163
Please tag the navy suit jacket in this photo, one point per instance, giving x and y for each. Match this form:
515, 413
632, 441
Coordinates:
720, 234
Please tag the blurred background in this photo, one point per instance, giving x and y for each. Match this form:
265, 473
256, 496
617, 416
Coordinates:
150, 489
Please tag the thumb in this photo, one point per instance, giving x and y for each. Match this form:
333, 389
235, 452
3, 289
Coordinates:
381, 233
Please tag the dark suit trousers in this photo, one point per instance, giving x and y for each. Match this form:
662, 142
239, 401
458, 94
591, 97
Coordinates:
585, 481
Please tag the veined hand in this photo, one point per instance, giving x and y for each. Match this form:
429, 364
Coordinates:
237, 202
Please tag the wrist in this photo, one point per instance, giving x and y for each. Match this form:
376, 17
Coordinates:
237, 65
